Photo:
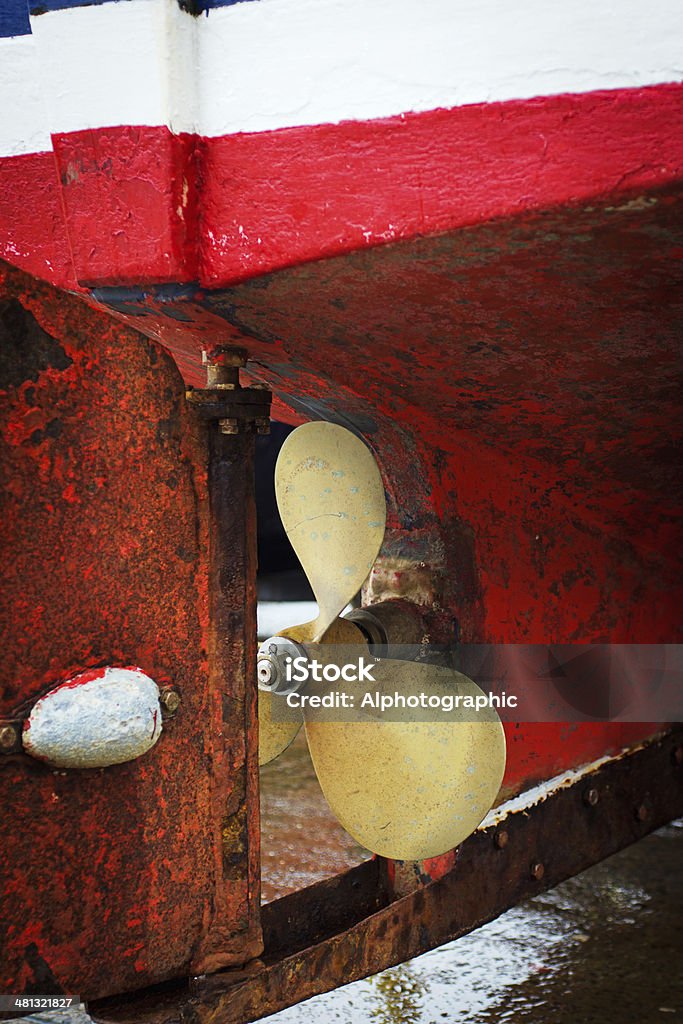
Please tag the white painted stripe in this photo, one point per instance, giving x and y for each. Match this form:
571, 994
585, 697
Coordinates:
280, 63
118, 64
23, 119
259, 66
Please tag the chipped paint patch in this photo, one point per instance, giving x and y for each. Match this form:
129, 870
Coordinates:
537, 794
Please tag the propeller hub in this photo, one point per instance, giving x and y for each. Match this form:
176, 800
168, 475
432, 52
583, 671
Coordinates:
275, 657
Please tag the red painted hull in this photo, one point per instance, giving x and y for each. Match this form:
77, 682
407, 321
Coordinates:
139, 205
490, 294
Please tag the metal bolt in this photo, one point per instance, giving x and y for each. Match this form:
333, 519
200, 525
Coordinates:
223, 378
537, 870
230, 426
591, 797
223, 359
642, 813
501, 839
265, 671
224, 373
170, 701
8, 738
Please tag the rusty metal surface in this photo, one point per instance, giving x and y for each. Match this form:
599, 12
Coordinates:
231, 677
518, 383
122, 546
530, 851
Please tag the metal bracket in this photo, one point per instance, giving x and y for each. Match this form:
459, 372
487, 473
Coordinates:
224, 399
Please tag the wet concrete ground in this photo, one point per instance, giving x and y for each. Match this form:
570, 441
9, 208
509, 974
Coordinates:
605, 947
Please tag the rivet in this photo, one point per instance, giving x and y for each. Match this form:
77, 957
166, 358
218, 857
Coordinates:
642, 813
537, 870
591, 797
170, 701
501, 839
8, 737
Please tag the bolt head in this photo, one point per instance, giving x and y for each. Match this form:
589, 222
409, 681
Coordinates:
265, 671
8, 737
591, 797
170, 701
271, 663
537, 870
501, 839
642, 812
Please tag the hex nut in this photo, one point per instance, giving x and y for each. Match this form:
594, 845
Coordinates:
170, 701
8, 738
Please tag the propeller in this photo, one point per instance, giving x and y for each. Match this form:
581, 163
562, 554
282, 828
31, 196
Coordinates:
408, 789
331, 501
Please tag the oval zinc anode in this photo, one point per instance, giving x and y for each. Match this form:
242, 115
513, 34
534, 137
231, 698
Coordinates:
98, 718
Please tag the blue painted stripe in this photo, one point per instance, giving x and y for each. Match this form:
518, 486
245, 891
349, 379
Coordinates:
226, 3
14, 18
14, 14
43, 6
204, 6
191, 6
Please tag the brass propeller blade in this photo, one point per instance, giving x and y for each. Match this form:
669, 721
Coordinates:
273, 737
409, 790
331, 501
